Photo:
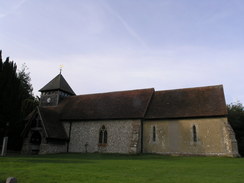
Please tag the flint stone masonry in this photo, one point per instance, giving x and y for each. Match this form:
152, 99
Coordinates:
123, 136
230, 140
52, 148
27, 147
44, 148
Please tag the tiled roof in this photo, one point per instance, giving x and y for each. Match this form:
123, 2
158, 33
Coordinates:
191, 102
114, 105
52, 125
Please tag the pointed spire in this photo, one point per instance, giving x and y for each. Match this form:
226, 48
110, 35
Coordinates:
58, 83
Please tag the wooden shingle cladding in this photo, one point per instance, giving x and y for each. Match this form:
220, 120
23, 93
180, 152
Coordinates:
188, 103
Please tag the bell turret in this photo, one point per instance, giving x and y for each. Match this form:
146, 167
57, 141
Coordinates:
55, 91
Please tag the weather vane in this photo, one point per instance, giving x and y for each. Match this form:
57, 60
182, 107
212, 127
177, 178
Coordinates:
61, 68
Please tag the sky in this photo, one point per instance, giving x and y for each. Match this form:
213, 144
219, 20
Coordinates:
113, 45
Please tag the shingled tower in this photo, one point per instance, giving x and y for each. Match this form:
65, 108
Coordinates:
55, 91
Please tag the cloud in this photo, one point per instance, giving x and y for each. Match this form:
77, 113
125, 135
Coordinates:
117, 71
96, 44
126, 25
17, 5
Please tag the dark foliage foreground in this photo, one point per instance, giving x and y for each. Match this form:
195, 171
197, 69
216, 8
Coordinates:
16, 101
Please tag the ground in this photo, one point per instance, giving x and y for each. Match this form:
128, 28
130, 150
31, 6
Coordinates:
76, 168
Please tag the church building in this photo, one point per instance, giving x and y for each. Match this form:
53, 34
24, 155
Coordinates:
190, 121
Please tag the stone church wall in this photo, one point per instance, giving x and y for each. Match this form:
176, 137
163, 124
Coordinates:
44, 147
123, 136
213, 137
50, 148
26, 147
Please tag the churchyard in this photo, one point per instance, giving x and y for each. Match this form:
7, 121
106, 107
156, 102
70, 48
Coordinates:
106, 168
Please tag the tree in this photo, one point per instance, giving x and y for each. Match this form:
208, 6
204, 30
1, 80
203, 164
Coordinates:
16, 101
29, 102
236, 120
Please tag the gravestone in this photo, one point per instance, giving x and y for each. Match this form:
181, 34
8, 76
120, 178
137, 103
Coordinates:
4, 148
11, 180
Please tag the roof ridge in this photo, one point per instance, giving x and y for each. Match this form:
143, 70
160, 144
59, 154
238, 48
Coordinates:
193, 88
115, 92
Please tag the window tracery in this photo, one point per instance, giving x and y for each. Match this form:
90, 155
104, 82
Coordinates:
103, 135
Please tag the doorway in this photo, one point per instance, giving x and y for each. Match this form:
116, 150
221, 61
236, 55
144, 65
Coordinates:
35, 142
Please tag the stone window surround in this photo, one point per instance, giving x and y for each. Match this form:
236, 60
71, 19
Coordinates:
103, 136
154, 133
194, 133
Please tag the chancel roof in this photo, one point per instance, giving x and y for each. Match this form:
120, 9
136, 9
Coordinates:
191, 102
58, 83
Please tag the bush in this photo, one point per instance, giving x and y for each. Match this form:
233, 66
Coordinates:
236, 120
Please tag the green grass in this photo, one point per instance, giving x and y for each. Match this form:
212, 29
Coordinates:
106, 168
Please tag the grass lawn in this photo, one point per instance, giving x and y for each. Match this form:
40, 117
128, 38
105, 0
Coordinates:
106, 168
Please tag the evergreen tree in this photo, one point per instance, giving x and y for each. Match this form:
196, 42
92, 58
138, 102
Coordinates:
29, 101
16, 101
236, 119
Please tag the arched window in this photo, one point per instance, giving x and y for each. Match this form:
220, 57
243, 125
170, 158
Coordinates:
154, 134
194, 133
103, 135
